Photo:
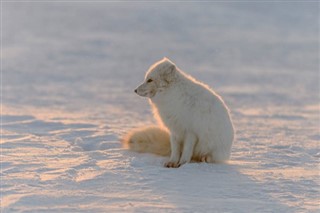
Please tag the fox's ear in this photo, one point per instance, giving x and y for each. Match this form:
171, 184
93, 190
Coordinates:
170, 73
167, 60
172, 67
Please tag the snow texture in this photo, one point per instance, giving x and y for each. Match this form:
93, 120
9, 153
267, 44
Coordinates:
69, 70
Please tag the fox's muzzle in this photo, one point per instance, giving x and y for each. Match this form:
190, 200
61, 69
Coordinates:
145, 90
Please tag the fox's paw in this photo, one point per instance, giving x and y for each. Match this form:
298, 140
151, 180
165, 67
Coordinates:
172, 165
206, 159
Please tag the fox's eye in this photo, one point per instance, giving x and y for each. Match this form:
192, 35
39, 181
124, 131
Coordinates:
149, 80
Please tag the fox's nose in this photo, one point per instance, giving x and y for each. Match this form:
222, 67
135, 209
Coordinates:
135, 90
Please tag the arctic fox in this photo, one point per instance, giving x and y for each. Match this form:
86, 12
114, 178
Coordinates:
194, 122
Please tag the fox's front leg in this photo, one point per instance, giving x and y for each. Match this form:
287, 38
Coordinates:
175, 143
188, 147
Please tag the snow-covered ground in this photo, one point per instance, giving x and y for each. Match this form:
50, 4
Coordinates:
69, 70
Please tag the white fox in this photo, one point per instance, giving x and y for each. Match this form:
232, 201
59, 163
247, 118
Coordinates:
194, 122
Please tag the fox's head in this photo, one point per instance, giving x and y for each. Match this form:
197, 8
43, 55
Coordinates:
158, 78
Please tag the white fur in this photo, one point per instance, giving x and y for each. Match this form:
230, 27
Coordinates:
197, 118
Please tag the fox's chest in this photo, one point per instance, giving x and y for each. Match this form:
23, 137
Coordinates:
176, 118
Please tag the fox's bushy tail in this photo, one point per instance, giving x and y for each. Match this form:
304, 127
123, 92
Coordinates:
151, 139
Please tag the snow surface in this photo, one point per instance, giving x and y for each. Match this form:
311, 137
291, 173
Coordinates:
69, 70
